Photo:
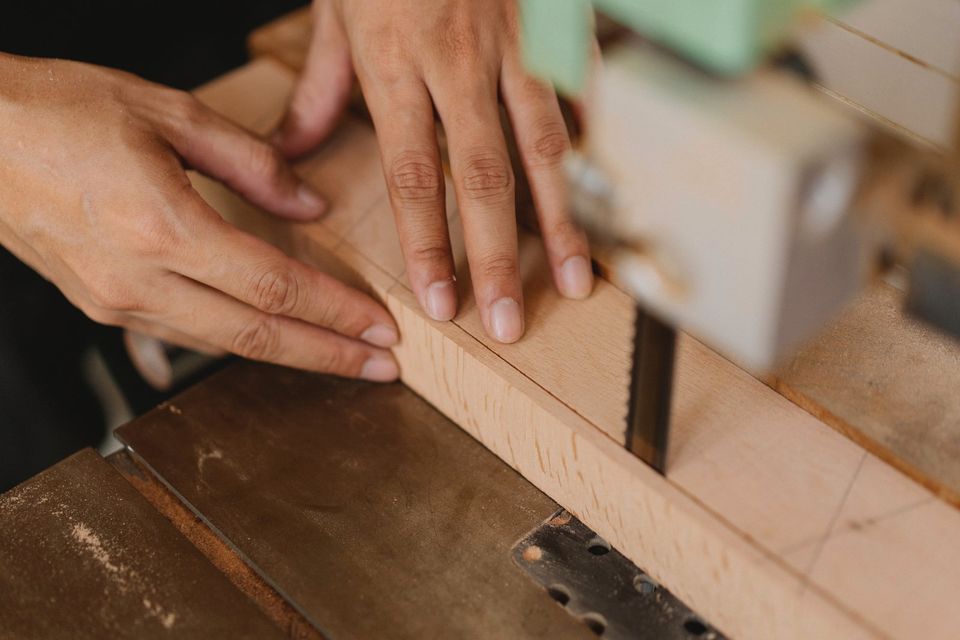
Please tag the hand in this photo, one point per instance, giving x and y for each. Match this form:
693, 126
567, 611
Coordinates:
94, 196
459, 56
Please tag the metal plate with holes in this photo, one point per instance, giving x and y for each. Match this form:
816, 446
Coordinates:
601, 587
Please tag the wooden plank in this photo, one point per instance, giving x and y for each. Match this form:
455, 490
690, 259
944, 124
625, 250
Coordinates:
894, 90
285, 39
922, 30
754, 482
83, 555
910, 40
889, 383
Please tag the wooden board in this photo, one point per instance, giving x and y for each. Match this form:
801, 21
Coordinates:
764, 507
889, 383
83, 555
286, 39
876, 74
897, 44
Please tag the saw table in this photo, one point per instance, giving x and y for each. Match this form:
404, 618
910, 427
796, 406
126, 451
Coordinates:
332, 508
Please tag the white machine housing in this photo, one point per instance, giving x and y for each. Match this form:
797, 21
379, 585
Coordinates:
734, 196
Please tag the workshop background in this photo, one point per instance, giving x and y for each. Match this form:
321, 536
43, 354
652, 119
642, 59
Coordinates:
59, 370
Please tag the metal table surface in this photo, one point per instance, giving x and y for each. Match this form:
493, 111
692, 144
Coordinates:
366, 509
83, 555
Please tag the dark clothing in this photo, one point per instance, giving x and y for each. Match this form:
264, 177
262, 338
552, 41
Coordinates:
47, 410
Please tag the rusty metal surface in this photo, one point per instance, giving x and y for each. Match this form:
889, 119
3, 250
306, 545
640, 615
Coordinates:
214, 549
599, 585
83, 555
368, 510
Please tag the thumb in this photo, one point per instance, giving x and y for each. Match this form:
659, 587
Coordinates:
247, 164
323, 89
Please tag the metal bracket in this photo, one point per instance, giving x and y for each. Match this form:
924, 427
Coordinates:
600, 586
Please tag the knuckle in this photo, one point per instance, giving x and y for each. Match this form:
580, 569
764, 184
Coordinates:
155, 237
536, 89
275, 291
110, 295
565, 228
257, 340
334, 360
332, 314
386, 59
185, 108
459, 38
429, 252
499, 267
266, 161
550, 145
102, 315
487, 176
415, 178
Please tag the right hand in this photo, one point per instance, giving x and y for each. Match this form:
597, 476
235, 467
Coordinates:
94, 196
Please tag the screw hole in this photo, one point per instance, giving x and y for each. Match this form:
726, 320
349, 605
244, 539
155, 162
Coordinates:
598, 546
559, 593
596, 623
695, 627
644, 584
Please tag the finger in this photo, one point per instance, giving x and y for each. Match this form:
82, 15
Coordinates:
323, 89
212, 317
484, 185
137, 326
252, 167
403, 116
148, 352
543, 143
260, 275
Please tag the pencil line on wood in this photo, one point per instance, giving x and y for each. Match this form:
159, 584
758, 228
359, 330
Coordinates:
833, 523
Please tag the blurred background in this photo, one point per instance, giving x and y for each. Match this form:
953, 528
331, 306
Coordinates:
64, 379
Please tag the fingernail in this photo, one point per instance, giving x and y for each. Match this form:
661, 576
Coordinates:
505, 320
576, 278
441, 300
311, 199
380, 335
380, 367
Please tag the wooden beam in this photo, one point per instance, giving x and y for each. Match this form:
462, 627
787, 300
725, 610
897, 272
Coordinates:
769, 523
285, 39
912, 46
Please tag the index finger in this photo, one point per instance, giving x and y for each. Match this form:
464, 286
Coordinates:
484, 184
257, 273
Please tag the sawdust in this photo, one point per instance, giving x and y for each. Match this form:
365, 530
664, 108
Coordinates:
203, 456
533, 553
94, 546
166, 618
123, 577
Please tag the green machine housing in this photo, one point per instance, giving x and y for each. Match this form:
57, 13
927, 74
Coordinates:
726, 37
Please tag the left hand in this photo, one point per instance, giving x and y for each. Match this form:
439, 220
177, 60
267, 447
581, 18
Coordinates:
462, 57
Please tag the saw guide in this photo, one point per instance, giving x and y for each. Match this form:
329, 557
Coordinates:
769, 523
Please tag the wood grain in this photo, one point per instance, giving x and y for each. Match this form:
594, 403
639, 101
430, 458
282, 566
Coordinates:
744, 526
876, 376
